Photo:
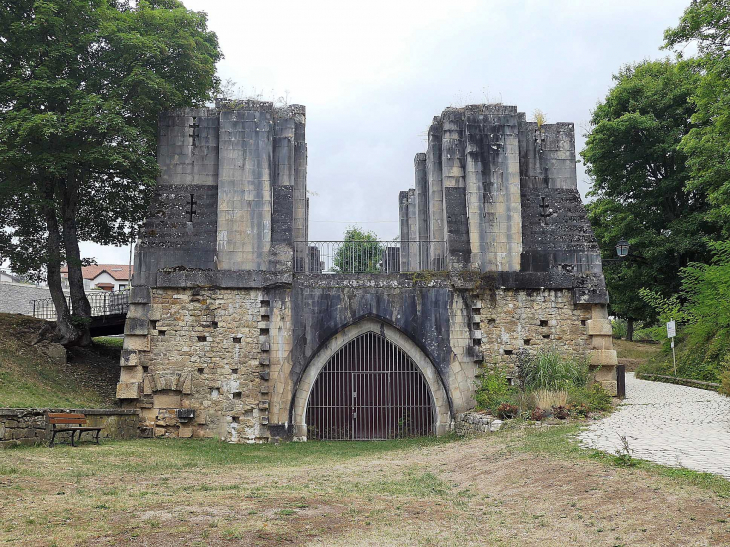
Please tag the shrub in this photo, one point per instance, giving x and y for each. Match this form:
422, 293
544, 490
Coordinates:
493, 390
702, 311
506, 410
548, 369
560, 412
538, 414
725, 383
593, 398
579, 410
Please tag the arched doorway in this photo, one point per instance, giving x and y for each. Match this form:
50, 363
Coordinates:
370, 389
399, 346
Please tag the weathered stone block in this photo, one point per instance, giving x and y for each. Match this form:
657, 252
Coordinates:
131, 374
604, 357
129, 390
136, 326
610, 387
136, 342
167, 400
138, 311
140, 295
129, 358
600, 327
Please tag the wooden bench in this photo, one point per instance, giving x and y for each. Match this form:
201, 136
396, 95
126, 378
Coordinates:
64, 422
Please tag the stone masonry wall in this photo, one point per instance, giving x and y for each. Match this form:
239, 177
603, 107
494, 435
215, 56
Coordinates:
222, 362
29, 425
209, 354
510, 320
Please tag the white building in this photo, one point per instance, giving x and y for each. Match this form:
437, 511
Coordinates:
108, 277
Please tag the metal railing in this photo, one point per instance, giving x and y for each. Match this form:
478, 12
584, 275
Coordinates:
102, 303
368, 256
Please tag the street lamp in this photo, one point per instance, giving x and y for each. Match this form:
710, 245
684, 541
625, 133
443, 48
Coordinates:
622, 248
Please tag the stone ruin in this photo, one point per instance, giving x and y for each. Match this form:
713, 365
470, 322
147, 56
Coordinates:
239, 329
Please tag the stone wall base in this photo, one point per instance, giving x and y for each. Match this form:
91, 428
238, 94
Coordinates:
472, 423
28, 426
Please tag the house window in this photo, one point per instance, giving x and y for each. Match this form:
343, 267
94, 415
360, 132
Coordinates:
122, 286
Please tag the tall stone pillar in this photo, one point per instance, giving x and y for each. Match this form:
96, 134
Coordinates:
405, 235
453, 173
282, 212
422, 211
493, 187
414, 251
437, 213
244, 187
301, 207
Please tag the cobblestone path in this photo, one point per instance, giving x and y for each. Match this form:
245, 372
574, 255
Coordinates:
668, 424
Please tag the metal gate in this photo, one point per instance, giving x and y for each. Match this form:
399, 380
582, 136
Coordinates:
370, 389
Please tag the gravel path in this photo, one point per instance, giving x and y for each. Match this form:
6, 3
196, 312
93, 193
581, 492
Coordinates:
668, 424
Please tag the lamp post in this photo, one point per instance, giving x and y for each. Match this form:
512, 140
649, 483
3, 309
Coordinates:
622, 251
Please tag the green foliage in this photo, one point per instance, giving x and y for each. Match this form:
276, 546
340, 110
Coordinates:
666, 309
704, 359
633, 154
82, 83
543, 375
593, 397
703, 347
493, 390
619, 328
548, 369
707, 290
359, 253
624, 456
707, 144
725, 382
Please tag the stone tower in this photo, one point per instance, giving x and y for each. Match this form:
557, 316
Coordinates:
232, 189
495, 192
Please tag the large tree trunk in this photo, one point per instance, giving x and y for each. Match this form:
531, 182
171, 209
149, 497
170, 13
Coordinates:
630, 329
79, 303
67, 333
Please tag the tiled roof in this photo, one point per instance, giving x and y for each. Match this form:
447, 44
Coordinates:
120, 272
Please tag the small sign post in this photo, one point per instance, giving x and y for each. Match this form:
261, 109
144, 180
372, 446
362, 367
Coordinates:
671, 333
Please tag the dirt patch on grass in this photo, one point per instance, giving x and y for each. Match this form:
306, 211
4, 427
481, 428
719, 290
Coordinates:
492, 490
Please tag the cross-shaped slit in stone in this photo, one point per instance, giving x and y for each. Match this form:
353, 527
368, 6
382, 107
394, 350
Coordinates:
195, 134
545, 210
192, 210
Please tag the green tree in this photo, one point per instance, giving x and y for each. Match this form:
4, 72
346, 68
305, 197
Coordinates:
82, 83
706, 24
638, 168
360, 252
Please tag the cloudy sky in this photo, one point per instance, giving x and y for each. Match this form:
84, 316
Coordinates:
373, 74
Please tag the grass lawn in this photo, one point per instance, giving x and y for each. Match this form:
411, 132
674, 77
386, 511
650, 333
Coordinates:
632, 354
518, 487
28, 378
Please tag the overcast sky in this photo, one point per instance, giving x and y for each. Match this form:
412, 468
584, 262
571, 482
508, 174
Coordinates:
373, 74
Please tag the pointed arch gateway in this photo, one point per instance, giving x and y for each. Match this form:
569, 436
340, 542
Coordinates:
370, 382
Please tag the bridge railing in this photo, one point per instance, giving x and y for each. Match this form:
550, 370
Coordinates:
366, 256
102, 303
